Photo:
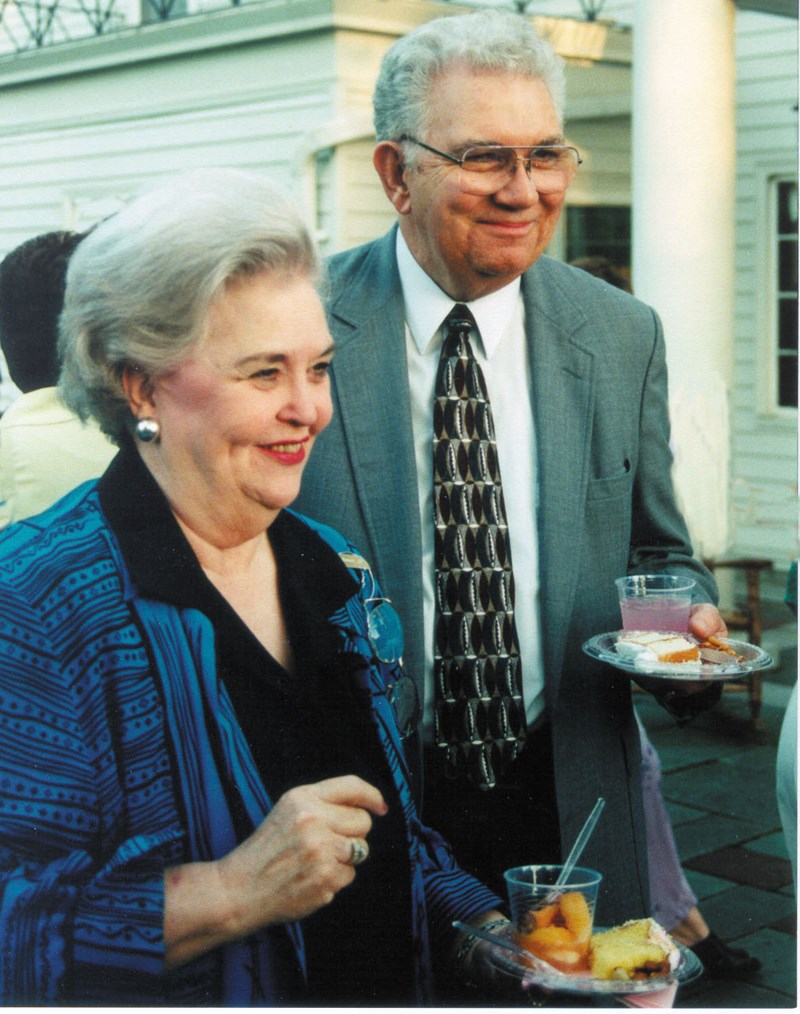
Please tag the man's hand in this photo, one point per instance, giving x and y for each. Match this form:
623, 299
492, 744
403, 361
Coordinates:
705, 621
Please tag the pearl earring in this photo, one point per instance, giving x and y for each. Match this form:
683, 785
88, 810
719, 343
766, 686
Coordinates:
147, 430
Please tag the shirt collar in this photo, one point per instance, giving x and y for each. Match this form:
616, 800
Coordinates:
426, 305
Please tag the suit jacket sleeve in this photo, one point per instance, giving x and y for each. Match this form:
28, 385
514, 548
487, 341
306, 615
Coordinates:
659, 538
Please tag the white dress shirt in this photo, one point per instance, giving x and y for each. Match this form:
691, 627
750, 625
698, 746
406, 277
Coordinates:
502, 351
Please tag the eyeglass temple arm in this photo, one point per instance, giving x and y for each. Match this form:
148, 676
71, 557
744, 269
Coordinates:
435, 151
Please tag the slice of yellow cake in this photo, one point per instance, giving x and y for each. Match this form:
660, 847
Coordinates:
638, 949
659, 647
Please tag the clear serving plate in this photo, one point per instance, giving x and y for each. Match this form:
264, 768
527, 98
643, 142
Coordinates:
689, 968
603, 648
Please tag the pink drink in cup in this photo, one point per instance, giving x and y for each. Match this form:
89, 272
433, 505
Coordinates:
655, 602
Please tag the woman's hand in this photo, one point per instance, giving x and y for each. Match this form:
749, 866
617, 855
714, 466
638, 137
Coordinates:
294, 863
299, 858
474, 966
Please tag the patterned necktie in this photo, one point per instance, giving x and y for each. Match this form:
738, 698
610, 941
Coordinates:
480, 717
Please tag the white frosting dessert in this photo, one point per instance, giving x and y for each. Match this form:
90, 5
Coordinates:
648, 648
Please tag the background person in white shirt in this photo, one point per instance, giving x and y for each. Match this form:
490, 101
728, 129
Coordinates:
45, 450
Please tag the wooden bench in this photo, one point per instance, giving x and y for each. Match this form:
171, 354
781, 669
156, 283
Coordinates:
746, 616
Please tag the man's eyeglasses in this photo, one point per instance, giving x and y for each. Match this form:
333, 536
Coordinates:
486, 168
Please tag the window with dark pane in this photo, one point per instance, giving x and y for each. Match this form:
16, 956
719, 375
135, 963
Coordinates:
786, 292
600, 230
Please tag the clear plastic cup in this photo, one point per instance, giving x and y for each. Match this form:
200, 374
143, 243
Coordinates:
554, 923
655, 601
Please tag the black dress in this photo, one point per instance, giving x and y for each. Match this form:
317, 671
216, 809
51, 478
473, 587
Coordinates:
301, 728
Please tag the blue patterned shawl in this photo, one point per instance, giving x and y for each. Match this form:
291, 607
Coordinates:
108, 702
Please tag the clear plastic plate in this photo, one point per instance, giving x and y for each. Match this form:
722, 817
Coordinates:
603, 648
689, 968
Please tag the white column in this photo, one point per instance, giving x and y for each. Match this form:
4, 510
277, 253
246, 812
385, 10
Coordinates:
683, 234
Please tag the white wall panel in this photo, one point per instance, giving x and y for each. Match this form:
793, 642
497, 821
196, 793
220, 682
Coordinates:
764, 441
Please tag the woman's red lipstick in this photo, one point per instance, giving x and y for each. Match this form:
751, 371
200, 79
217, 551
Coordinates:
288, 452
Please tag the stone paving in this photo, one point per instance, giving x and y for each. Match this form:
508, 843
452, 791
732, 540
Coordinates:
719, 783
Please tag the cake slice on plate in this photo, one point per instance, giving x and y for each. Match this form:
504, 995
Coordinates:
650, 645
638, 949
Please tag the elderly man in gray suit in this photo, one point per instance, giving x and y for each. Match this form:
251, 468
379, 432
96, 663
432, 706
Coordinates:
521, 732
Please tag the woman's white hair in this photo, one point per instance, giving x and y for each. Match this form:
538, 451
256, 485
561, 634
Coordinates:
140, 284
485, 40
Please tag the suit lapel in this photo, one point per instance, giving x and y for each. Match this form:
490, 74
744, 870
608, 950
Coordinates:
563, 399
373, 403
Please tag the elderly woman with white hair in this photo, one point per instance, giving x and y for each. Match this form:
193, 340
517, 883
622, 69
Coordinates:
204, 797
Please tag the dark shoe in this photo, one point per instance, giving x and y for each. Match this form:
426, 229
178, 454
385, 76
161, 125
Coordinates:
723, 962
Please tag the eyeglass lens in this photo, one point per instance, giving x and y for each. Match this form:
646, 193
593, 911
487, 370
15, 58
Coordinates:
404, 699
385, 632
486, 169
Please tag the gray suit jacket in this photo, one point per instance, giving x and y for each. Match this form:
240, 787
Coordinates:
605, 508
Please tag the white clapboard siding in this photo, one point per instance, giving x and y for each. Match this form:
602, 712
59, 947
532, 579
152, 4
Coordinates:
74, 141
352, 207
764, 439
366, 211
605, 176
